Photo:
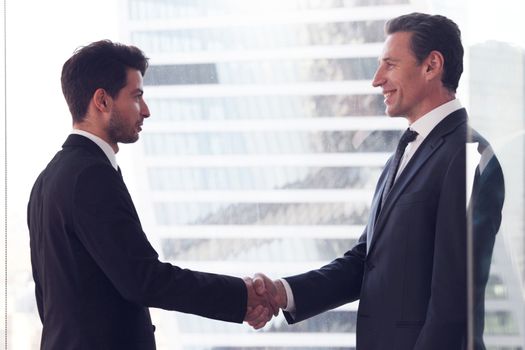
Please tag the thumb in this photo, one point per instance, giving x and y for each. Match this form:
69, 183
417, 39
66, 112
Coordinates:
258, 285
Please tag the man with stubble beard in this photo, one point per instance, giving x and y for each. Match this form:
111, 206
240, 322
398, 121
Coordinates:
95, 272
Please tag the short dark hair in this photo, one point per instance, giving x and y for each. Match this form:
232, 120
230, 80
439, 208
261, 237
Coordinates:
429, 33
101, 64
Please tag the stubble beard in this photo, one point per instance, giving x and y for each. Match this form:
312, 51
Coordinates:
120, 131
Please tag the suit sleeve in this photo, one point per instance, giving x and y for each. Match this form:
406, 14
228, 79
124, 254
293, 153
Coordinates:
107, 225
445, 323
36, 278
334, 284
331, 286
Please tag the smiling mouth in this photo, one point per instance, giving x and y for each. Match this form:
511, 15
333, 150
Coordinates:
388, 94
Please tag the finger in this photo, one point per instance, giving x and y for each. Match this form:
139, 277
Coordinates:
273, 304
258, 285
274, 309
262, 317
260, 313
254, 313
265, 317
259, 325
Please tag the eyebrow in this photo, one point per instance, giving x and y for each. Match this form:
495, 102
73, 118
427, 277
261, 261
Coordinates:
384, 59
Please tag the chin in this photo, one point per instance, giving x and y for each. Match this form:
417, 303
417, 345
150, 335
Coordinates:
130, 139
393, 113
390, 114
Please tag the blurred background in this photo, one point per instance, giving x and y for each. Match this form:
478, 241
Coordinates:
264, 146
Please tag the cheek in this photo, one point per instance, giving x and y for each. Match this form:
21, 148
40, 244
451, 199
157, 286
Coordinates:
137, 108
132, 110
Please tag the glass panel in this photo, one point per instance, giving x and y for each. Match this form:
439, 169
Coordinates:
223, 39
169, 179
182, 74
268, 142
138, 9
249, 250
262, 72
277, 107
497, 90
189, 213
500, 323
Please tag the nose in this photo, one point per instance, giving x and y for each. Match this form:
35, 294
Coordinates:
144, 110
379, 79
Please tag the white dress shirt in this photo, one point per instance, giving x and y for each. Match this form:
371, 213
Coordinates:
423, 126
104, 146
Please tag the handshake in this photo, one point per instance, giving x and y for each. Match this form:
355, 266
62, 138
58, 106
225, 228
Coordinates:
265, 298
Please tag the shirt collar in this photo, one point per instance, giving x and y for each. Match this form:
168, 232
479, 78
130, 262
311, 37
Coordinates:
104, 146
427, 122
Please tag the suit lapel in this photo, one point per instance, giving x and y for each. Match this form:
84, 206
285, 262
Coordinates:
430, 145
376, 205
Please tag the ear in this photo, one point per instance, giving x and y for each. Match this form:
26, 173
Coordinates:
434, 65
102, 100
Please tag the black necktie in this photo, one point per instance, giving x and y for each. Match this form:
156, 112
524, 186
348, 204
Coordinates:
408, 136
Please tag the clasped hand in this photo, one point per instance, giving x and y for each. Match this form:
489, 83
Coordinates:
265, 298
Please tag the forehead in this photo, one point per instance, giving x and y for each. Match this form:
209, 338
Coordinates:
397, 46
134, 79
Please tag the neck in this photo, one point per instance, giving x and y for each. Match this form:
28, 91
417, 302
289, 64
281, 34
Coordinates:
438, 99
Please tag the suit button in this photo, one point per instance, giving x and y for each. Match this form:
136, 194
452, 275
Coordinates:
153, 326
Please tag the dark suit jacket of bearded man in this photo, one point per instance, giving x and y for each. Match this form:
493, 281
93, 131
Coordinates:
95, 272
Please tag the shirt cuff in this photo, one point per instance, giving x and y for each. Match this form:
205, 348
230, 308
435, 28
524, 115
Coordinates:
290, 303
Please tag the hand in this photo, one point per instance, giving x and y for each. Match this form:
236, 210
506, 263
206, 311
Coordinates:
275, 290
258, 309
